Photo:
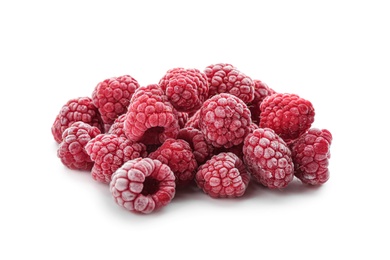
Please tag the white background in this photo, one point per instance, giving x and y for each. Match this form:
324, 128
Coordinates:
333, 53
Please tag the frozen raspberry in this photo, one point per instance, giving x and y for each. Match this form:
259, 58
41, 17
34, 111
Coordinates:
287, 114
112, 97
77, 109
261, 91
253, 127
71, 150
182, 118
193, 121
109, 152
225, 78
268, 158
311, 153
201, 149
224, 120
143, 185
117, 127
186, 89
150, 118
177, 154
223, 176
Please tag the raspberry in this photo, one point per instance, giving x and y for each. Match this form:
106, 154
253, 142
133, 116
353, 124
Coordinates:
201, 149
186, 89
224, 175
311, 153
261, 91
112, 97
224, 120
193, 121
150, 118
268, 158
71, 150
117, 127
182, 118
225, 78
77, 109
177, 154
109, 152
143, 185
287, 114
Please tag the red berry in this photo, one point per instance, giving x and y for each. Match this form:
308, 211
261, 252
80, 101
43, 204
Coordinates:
261, 91
311, 153
268, 158
224, 175
193, 121
77, 109
112, 97
186, 89
224, 120
71, 150
150, 118
201, 149
287, 114
177, 154
117, 127
109, 152
225, 78
143, 185
182, 118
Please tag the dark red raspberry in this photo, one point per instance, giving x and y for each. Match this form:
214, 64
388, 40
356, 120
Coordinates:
186, 89
223, 176
224, 120
261, 91
201, 149
268, 158
236, 149
193, 121
112, 97
225, 78
143, 185
287, 114
311, 153
117, 127
109, 152
177, 154
182, 118
77, 109
150, 118
71, 150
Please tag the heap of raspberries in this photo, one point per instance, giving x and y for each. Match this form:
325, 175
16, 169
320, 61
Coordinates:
217, 129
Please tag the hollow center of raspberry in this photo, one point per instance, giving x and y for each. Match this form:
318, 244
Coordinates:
151, 136
150, 186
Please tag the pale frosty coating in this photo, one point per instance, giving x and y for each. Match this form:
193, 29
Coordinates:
143, 185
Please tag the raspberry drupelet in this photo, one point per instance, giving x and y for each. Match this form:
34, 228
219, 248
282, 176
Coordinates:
311, 154
117, 127
223, 176
109, 152
112, 97
143, 185
77, 109
287, 114
177, 154
71, 150
186, 89
268, 158
225, 78
224, 120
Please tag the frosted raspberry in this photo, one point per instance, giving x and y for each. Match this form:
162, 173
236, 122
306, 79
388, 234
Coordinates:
224, 175
268, 158
117, 127
177, 154
182, 118
287, 114
261, 91
112, 97
77, 109
143, 185
224, 120
193, 121
225, 78
150, 118
201, 149
186, 89
71, 150
311, 153
109, 152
